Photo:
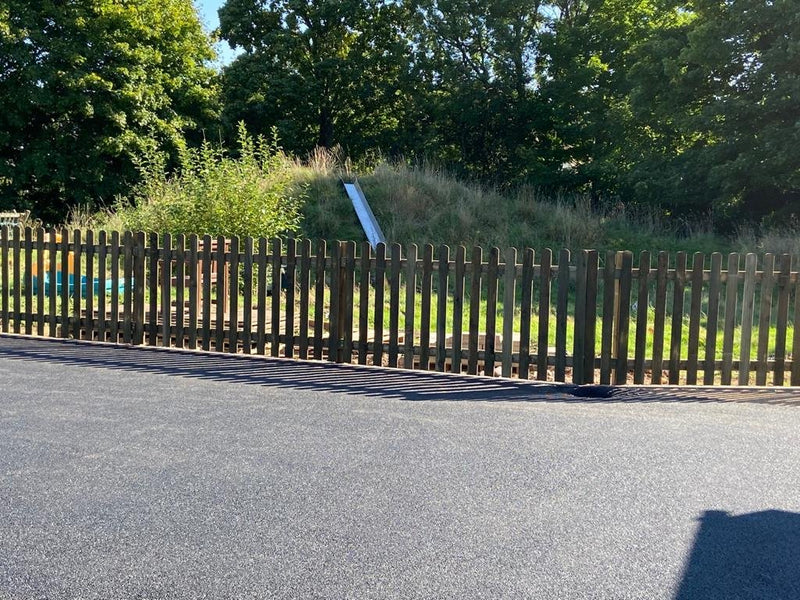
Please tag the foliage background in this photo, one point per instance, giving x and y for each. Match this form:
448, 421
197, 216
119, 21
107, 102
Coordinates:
688, 110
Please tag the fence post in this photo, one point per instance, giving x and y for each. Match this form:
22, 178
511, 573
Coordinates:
579, 341
16, 283
138, 288
590, 299
28, 281
4, 277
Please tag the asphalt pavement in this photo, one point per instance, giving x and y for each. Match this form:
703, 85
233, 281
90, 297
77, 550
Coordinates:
136, 473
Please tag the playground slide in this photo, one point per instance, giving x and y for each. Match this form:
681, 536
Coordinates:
368, 221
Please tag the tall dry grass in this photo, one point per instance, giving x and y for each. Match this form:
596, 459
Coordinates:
421, 203
424, 204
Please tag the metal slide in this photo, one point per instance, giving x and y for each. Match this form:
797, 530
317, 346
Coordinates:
368, 221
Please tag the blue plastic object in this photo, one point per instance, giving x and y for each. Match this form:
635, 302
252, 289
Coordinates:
109, 284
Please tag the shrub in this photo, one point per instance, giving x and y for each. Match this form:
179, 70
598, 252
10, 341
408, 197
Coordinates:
213, 193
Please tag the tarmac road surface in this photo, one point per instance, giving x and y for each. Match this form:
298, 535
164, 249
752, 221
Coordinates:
134, 473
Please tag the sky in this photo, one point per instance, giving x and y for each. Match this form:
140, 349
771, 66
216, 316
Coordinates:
208, 15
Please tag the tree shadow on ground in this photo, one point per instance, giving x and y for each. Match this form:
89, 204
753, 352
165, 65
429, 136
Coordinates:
353, 379
750, 556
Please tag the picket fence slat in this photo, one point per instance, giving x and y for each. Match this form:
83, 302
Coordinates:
543, 334
115, 279
579, 349
590, 332
676, 331
562, 300
748, 301
712, 320
165, 270
731, 302
782, 319
290, 279
425, 292
394, 305
474, 310
380, 286
460, 271
28, 281
180, 290
365, 273
304, 283
441, 308
491, 311
695, 303
411, 286
795, 369
607, 353
765, 313
659, 319
623, 318
192, 271
5, 279
17, 279
347, 301
642, 306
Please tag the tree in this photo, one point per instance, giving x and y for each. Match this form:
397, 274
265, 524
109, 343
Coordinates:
482, 59
587, 55
723, 91
86, 86
323, 72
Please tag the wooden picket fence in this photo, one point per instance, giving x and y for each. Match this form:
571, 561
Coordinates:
582, 318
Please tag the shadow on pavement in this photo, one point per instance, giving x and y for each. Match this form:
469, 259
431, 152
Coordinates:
340, 378
751, 556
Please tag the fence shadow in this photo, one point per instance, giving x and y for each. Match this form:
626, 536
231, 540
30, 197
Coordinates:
344, 378
751, 556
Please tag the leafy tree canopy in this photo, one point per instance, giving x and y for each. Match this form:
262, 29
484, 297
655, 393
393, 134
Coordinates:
323, 72
86, 86
721, 92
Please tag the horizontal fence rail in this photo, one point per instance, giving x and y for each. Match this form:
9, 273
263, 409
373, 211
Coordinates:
582, 317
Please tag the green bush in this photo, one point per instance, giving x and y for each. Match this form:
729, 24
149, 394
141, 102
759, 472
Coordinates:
213, 193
